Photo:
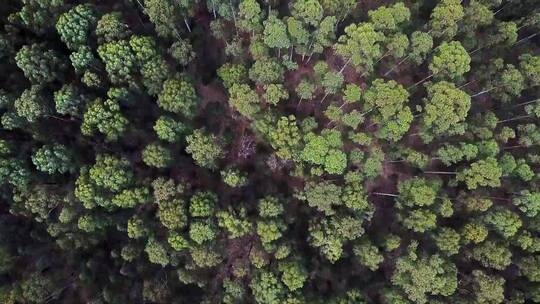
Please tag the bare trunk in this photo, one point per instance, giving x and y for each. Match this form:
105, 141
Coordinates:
187, 25
483, 92
526, 38
385, 194
325, 95
396, 65
345, 65
440, 172
514, 118
526, 103
421, 81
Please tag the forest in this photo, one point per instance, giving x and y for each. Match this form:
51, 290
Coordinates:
270, 151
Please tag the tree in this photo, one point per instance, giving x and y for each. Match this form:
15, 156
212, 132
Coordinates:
294, 274
275, 33
267, 289
120, 62
488, 288
274, 93
75, 25
528, 202
182, 51
388, 100
285, 137
168, 129
446, 108
447, 240
485, 173
360, 45
420, 46
54, 159
234, 178
266, 71
530, 65
164, 15
244, 100
451, 60
445, 18
111, 27
492, 255
368, 255
422, 276
106, 117
388, 19
69, 101
39, 64
504, 221
157, 254
203, 204
178, 96
156, 155
232, 74
111, 172
204, 148
323, 196
31, 105
249, 12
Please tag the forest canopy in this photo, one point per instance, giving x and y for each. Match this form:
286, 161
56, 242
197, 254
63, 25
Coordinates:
270, 151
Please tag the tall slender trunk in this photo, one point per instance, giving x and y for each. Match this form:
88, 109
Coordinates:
345, 65
440, 172
526, 103
483, 92
526, 38
385, 194
513, 119
324, 97
187, 25
421, 81
396, 65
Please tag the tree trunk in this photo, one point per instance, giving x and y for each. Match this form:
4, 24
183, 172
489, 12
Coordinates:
483, 92
385, 194
514, 118
396, 65
345, 65
440, 172
526, 103
187, 25
421, 81
526, 38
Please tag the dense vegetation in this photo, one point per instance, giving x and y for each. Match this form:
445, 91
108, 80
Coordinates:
270, 151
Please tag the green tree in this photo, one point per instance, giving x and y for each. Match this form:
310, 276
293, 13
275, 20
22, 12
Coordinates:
294, 274
445, 18
69, 100
232, 74
168, 129
156, 252
360, 45
485, 173
245, 100
488, 288
422, 276
39, 64
446, 108
368, 255
204, 148
275, 33
31, 105
266, 71
112, 27
450, 60
267, 289
74, 26
54, 159
156, 155
105, 117
120, 62
178, 96
492, 255
389, 19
